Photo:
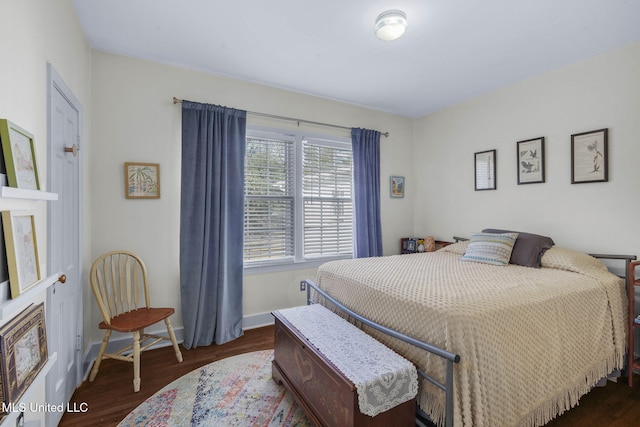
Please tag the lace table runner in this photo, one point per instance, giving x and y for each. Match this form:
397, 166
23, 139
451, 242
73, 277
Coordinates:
383, 379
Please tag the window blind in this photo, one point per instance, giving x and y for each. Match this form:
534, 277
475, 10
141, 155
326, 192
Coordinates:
327, 200
269, 199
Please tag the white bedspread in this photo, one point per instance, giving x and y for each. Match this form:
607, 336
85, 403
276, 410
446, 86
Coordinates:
531, 341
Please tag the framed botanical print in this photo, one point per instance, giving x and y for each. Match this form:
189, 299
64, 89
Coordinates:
142, 180
396, 187
531, 161
589, 157
19, 156
484, 163
22, 250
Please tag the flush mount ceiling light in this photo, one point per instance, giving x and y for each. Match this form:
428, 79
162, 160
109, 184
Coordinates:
390, 25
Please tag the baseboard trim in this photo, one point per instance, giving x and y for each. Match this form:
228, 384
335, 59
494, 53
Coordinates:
257, 321
248, 322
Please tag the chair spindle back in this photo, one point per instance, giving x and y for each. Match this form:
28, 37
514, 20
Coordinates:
119, 282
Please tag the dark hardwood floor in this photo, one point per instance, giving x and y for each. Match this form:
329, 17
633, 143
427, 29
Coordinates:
110, 397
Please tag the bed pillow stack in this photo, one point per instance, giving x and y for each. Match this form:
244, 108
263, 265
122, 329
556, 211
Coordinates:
490, 248
528, 249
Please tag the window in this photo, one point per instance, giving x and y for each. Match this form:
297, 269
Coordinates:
269, 197
328, 209
298, 198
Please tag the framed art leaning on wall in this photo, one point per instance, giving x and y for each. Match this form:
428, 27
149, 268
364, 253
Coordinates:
19, 156
22, 250
23, 343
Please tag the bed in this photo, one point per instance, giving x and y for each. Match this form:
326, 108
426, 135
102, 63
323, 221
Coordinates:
530, 340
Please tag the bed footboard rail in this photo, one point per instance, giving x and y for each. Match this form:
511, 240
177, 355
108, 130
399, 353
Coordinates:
450, 358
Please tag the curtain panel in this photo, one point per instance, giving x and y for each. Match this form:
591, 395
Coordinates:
366, 182
211, 223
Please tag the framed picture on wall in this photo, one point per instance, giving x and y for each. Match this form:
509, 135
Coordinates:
531, 161
589, 157
396, 187
19, 156
141, 180
484, 163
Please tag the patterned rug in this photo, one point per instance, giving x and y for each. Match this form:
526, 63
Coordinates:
237, 391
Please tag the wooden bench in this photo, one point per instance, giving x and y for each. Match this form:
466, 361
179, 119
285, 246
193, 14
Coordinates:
327, 396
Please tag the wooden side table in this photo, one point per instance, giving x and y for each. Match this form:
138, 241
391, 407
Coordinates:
410, 245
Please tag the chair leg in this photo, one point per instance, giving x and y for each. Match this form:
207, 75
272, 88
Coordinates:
136, 361
172, 335
103, 348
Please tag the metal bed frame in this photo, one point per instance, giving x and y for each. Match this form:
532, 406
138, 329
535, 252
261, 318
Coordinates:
450, 358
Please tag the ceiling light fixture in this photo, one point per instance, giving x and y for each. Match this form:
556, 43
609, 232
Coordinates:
390, 25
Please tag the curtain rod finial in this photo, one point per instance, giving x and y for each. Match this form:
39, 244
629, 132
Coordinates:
177, 101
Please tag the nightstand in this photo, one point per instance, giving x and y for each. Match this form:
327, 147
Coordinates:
411, 245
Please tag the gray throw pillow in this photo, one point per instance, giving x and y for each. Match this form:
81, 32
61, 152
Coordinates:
528, 249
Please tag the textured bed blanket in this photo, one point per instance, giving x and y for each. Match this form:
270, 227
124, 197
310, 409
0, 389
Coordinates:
531, 341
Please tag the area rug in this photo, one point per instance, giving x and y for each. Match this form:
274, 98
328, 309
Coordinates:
236, 391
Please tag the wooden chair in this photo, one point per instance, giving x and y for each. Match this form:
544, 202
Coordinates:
120, 284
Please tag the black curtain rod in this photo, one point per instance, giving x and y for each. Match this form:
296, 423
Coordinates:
272, 116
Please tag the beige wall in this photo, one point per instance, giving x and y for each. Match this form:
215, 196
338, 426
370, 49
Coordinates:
601, 92
53, 36
134, 119
32, 34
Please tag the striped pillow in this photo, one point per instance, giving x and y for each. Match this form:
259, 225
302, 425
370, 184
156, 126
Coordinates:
490, 248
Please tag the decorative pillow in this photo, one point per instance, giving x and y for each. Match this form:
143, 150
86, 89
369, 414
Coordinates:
457, 248
570, 260
490, 248
528, 249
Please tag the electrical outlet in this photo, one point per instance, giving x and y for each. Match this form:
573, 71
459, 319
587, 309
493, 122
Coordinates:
303, 286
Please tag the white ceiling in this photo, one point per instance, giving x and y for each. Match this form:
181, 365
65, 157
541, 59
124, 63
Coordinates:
453, 50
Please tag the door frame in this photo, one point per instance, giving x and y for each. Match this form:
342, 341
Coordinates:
55, 82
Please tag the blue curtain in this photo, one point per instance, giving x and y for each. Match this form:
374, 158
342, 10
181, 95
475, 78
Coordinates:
211, 223
366, 182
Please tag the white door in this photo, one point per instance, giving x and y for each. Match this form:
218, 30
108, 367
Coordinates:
64, 300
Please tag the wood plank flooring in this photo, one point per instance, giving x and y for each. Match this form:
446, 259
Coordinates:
110, 397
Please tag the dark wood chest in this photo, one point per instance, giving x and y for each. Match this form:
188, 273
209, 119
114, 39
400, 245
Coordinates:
326, 395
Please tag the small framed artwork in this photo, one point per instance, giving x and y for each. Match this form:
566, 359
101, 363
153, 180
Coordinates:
19, 156
531, 161
589, 157
410, 245
484, 163
22, 250
396, 187
23, 342
142, 180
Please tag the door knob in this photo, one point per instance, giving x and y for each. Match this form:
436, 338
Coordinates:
73, 149
62, 278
